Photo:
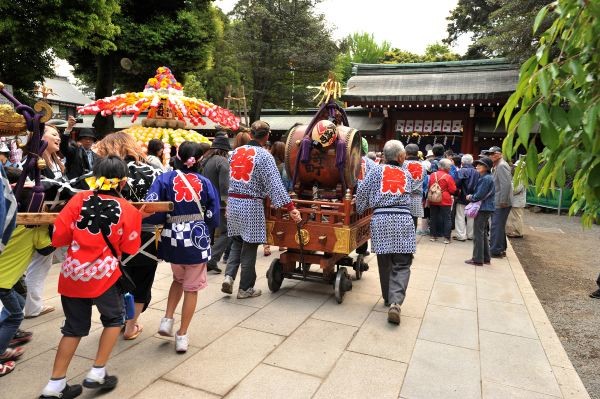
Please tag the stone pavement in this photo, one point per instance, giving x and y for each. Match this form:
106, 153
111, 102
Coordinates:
466, 332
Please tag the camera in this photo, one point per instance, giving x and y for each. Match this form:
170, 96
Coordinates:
79, 120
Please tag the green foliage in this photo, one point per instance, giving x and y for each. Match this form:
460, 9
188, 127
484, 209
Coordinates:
359, 48
435, 52
178, 34
33, 31
561, 93
499, 28
271, 38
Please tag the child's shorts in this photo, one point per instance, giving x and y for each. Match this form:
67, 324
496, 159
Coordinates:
78, 312
192, 277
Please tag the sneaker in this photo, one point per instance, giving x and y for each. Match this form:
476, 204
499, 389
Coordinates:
433, 239
181, 343
70, 391
446, 241
21, 337
166, 327
105, 384
394, 314
249, 293
227, 286
595, 294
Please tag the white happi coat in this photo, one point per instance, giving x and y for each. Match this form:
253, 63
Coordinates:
418, 172
387, 189
252, 173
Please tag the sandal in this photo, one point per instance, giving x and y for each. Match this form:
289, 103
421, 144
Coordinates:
6, 368
45, 310
12, 354
138, 331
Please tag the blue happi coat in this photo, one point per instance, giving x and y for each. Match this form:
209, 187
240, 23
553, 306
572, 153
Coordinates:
418, 172
387, 189
185, 238
252, 174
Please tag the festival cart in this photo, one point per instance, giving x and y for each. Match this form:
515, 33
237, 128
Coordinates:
324, 159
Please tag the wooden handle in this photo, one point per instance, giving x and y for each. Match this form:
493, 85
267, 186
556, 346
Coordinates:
35, 219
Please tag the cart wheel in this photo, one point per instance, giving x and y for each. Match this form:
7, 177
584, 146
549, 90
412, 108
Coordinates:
342, 284
358, 266
275, 275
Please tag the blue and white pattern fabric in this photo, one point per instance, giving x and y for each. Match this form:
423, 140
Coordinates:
418, 173
366, 165
253, 173
387, 189
8, 210
185, 238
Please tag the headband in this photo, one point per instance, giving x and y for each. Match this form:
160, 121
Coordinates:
189, 162
103, 183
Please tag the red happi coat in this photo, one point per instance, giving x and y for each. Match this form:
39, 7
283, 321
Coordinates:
90, 267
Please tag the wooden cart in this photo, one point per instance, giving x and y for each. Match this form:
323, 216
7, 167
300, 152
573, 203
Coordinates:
329, 232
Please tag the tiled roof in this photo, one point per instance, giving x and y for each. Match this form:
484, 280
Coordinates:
64, 92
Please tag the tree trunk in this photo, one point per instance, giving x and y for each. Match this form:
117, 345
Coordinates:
104, 88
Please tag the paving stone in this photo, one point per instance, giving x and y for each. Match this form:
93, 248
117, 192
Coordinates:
353, 311
379, 338
360, 376
442, 371
224, 363
499, 290
31, 376
313, 348
140, 366
570, 383
206, 297
162, 389
213, 321
552, 346
516, 361
456, 273
283, 315
454, 295
507, 318
272, 382
450, 326
492, 390
536, 311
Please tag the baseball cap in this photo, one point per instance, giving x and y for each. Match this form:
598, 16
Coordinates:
492, 150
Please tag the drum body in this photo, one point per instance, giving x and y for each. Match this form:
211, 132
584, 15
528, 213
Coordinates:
321, 170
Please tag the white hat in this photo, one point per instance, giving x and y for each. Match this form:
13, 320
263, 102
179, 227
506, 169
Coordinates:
4, 147
429, 154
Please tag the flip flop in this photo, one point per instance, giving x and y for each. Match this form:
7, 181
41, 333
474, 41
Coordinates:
6, 368
138, 331
12, 354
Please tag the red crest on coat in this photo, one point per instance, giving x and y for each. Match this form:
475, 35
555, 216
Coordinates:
182, 193
416, 170
393, 180
242, 164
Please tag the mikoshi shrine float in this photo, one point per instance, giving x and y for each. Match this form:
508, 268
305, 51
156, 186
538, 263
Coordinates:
168, 110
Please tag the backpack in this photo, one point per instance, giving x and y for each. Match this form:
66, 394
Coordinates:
435, 191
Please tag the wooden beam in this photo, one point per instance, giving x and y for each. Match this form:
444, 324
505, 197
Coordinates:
35, 219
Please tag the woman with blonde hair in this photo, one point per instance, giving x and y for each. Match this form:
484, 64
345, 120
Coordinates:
142, 265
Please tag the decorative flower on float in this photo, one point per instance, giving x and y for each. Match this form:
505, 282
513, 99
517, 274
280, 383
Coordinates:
160, 92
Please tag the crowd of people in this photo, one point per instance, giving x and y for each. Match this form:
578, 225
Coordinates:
110, 247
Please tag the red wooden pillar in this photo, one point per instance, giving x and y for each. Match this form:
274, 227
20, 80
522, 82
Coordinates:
467, 144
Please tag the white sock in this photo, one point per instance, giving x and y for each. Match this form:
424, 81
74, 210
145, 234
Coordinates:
96, 373
55, 386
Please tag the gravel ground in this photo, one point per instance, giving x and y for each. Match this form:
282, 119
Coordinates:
562, 261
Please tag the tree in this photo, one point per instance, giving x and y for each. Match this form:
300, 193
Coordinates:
358, 48
34, 32
499, 28
177, 34
561, 92
435, 52
279, 41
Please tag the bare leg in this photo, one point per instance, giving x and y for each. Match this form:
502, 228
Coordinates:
175, 293
130, 324
107, 342
190, 299
66, 349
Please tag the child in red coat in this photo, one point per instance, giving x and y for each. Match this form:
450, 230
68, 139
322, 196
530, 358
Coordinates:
90, 224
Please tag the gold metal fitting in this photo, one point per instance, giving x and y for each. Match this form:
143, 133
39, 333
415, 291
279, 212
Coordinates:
41, 164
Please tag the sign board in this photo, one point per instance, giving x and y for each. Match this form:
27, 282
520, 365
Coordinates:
400, 126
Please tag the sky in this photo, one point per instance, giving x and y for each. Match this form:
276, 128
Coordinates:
407, 24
